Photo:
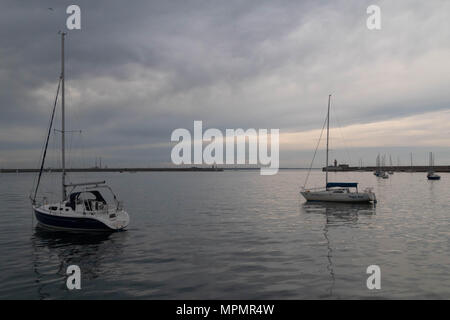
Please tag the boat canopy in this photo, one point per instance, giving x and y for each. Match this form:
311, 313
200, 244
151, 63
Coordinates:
75, 196
342, 184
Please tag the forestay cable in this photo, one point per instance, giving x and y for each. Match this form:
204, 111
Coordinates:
46, 142
315, 152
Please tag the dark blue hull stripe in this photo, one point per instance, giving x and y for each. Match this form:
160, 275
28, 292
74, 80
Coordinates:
72, 223
337, 201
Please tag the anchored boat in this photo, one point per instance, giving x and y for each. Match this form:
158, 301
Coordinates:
391, 172
83, 206
337, 191
431, 175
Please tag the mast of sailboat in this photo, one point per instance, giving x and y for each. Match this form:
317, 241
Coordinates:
430, 168
63, 140
328, 136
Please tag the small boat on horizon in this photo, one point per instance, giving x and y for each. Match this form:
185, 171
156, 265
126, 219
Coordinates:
379, 172
391, 172
337, 191
431, 175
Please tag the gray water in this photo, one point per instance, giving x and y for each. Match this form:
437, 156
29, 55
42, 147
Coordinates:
236, 235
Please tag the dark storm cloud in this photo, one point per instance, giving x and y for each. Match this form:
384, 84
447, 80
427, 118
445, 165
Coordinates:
139, 69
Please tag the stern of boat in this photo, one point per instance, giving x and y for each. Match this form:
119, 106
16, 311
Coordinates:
118, 220
371, 195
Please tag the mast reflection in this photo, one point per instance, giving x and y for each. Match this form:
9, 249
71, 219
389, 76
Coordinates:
337, 215
54, 251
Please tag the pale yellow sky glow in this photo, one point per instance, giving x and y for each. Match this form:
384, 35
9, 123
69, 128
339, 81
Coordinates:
428, 129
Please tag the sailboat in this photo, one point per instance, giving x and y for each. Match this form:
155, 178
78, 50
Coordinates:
379, 172
83, 206
390, 165
431, 175
383, 173
337, 191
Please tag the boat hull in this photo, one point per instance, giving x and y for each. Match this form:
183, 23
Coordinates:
70, 223
324, 196
434, 178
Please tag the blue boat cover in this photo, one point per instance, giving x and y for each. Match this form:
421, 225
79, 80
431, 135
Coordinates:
342, 184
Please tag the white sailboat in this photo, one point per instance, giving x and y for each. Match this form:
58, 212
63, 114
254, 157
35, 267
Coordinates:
431, 175
379, 172
383, 173
337, 191
84, 207
390, 165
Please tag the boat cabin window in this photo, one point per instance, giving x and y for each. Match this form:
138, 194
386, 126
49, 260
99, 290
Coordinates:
346, 190
88, 199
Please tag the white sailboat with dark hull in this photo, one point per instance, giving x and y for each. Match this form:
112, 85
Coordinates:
337, 191
84, 207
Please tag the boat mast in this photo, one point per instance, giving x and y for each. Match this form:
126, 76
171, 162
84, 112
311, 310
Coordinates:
328, 136
430, 168
63, 142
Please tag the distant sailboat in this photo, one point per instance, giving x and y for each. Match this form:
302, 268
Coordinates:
431, 175
411, 168
390, 165
337, 191
384, 175
379, 172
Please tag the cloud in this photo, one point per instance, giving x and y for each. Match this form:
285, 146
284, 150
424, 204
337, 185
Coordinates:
137, 71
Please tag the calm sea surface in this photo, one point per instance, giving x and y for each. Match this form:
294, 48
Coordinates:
235, 235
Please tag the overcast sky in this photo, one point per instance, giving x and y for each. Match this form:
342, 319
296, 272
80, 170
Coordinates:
137, 70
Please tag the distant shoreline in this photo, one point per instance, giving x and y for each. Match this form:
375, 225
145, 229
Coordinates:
28, 170
175, 169
215, 169
387, 168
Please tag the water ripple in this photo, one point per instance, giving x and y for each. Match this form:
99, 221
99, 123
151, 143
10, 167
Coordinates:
236, 235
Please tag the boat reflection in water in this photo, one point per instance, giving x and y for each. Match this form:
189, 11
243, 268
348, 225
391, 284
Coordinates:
336, 215
53, 252
339, 213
